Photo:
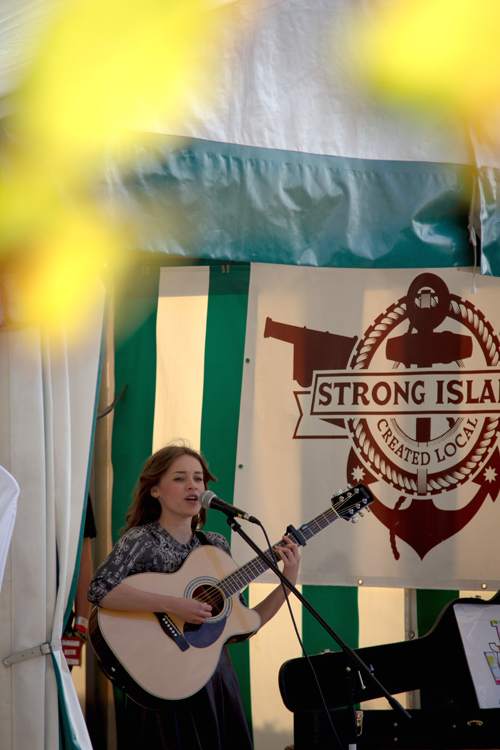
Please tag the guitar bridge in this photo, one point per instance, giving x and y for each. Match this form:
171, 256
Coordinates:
172, 630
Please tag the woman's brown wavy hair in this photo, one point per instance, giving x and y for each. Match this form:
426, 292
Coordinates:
146, 508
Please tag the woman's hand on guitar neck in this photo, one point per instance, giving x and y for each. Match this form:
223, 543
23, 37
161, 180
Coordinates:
290, 556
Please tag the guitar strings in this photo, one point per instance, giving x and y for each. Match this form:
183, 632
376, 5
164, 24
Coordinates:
213, 592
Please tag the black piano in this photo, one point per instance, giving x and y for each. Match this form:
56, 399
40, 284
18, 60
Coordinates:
435, 664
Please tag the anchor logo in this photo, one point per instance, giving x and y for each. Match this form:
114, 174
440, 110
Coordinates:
418, 397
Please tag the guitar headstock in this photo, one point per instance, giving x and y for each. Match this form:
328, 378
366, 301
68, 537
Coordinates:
351, 502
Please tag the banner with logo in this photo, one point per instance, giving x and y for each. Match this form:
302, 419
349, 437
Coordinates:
386, 378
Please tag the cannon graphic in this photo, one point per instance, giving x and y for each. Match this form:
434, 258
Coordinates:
312, 350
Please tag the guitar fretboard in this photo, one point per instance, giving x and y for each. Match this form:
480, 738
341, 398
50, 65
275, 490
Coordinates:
346, 506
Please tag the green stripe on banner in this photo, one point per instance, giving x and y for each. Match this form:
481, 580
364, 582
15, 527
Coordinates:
224, 352
338, 606
135, 367
430, 604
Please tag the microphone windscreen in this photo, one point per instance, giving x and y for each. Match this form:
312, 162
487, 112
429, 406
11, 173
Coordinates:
205, 498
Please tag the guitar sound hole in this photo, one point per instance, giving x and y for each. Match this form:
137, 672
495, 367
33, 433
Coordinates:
211, 595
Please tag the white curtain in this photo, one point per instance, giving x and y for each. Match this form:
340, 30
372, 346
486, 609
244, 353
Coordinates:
48, 396
9, 492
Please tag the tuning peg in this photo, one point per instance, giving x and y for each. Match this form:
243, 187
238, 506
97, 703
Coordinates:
361, 514
355, 519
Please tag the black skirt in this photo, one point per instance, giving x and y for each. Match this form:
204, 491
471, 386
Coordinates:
211, 719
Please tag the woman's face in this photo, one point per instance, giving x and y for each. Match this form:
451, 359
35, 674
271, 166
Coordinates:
179, 488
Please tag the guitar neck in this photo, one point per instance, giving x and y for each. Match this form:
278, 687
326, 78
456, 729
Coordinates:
240, 578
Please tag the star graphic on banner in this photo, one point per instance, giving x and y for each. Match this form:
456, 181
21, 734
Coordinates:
490, 474
358, 473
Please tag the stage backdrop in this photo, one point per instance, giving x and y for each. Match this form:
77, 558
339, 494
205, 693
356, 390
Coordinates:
180, 349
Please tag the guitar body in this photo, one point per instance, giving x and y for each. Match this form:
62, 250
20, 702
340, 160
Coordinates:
149, 664
154, 656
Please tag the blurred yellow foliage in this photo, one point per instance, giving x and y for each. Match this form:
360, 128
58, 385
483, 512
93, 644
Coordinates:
106, 65
102, 68
433, 53
57, 284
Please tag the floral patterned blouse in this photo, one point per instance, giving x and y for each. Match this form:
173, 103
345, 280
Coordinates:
145, 549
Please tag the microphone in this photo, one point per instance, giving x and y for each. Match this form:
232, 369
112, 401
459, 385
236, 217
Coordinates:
209, 499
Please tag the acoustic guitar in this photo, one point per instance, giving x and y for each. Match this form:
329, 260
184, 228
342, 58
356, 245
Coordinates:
155, 656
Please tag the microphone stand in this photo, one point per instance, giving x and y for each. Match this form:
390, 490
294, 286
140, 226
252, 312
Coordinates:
357, 661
